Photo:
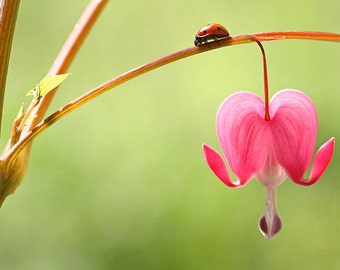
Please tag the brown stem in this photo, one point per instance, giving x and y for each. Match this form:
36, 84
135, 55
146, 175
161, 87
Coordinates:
8, 15
10, 155
12, 170
67, 55
265, 82
309, 35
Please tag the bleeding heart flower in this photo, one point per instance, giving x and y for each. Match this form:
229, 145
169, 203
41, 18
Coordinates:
270, 143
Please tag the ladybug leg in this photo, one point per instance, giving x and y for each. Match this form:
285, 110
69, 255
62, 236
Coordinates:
216, 39
206, 42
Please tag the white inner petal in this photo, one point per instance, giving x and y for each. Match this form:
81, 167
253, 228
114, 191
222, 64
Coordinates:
271, 174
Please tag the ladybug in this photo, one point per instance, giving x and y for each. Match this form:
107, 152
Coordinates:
211, 31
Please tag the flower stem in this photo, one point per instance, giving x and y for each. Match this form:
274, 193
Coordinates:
308, 35
265, 81
10, 155
66, 57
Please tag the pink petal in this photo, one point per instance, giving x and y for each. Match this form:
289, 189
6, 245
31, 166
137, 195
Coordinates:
243, 133
294, 127
217, 165
321, 161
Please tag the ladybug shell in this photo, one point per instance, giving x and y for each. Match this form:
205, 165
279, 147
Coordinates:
212, 31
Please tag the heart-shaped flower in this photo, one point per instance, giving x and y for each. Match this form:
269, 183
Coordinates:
269, 149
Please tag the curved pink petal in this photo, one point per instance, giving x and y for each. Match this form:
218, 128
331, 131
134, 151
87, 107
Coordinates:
216, 164
321, 161
294, 128
243, 133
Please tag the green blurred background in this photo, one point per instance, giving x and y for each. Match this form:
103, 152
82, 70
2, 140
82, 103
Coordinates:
122, 184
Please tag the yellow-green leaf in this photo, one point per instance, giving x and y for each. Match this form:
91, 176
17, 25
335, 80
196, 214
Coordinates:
47, 84
50, 82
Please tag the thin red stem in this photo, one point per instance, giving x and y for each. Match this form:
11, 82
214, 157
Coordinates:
10, 155
265, 82
67, 54
35, 112
308, 35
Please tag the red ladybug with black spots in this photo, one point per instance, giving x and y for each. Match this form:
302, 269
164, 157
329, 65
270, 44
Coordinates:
212, 31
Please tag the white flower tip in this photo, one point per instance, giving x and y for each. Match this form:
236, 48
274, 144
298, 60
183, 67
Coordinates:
270, 222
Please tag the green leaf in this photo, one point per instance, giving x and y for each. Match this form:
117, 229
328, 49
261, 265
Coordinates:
47, 84
50, 82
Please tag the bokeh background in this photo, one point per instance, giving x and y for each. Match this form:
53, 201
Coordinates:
122, 184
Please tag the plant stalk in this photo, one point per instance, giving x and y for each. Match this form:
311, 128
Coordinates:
8, 15
10, 155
